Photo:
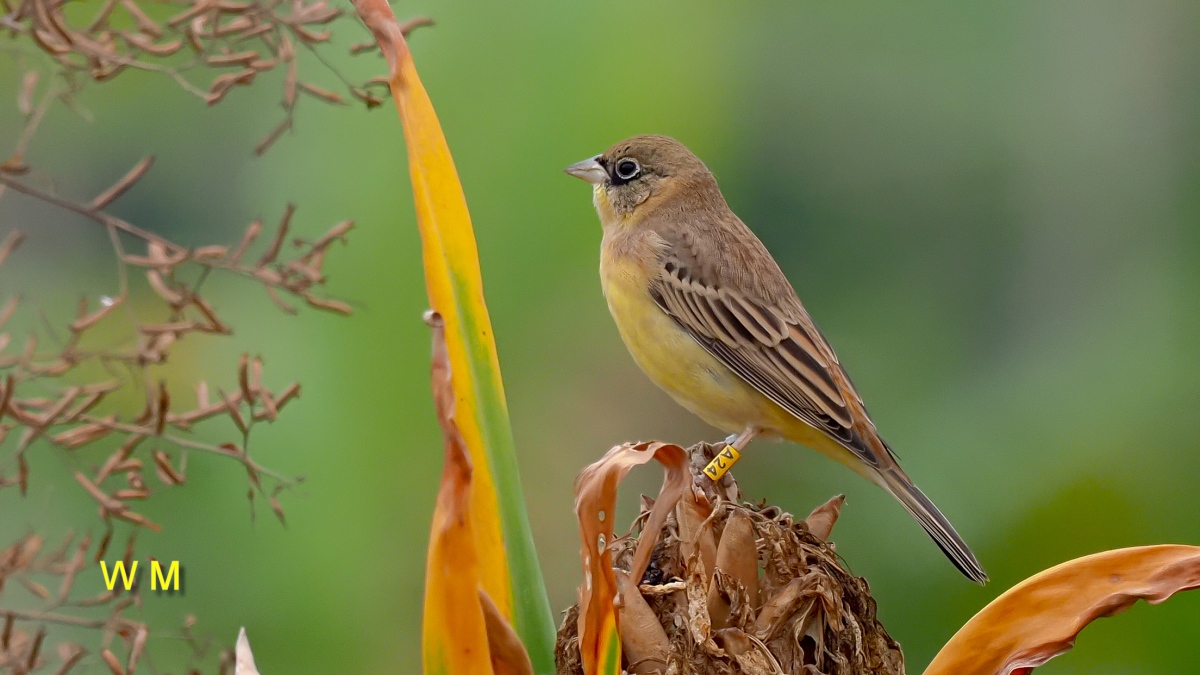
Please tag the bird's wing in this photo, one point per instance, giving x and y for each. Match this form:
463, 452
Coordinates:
761, 332
775, 347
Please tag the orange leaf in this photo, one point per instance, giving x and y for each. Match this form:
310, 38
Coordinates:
1039, 618
595, 506
455, 633
463, 633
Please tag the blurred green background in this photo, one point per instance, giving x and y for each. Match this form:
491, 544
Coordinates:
993, 211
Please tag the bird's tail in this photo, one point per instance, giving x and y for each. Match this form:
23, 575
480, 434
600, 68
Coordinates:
935, 524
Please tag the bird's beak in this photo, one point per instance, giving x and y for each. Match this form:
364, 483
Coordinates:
589, 170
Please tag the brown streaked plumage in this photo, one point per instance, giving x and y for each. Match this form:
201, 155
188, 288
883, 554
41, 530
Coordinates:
709, 316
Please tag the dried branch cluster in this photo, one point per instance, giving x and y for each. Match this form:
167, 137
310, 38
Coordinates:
240, 39
734, 588
67, 418
66, 388
48, 400
49, 578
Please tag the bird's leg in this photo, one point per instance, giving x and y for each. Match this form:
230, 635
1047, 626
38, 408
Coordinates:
743, 439
730, 454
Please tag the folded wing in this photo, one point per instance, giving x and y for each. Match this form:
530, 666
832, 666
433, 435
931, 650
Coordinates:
777, 350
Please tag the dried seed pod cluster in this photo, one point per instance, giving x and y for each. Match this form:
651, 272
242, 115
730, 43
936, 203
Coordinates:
67, 389
67, 419
48, 578
240, 40
730, 587
121, 460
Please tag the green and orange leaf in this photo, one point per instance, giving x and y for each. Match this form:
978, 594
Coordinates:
1039, 618
464, 632
454, 631
507, 562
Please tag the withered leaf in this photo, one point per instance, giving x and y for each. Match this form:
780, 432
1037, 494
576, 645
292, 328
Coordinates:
507, 653
1039, 618
642, 636
595, 504
737, 557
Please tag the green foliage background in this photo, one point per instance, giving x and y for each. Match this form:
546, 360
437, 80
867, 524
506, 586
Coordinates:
992, 210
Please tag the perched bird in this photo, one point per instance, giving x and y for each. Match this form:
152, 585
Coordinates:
708, 315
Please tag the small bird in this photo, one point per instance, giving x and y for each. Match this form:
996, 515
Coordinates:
708, 315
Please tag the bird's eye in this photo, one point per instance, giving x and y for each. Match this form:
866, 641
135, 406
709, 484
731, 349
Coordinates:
628, 169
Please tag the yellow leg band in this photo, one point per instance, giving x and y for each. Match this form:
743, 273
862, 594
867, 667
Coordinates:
724, 461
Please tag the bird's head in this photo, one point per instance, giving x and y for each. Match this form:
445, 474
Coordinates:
639, 175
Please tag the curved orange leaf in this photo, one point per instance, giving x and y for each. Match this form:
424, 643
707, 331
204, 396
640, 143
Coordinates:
1039, 618
595, 507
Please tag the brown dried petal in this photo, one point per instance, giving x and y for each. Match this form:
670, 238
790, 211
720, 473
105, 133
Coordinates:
81, 435
822, 519
695, 530
280, 234
113, 664
752, 656
507, 652
336, 232
238, 58
221, 85
248, 238
86, 321
779, 607
331, 305
159, 286
35, 588
167, 472
149, 46
244, 378
109, 503
323, 94
209, 253
737, 557
643, 639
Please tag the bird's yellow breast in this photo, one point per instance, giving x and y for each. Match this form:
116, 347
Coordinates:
670, 357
